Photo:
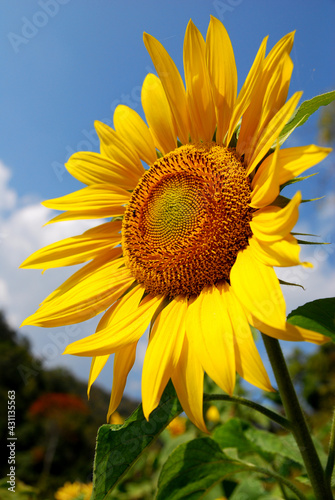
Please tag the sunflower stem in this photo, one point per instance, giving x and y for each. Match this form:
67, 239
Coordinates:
295, 415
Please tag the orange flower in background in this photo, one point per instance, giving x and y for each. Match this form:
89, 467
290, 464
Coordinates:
192, 238
52, 403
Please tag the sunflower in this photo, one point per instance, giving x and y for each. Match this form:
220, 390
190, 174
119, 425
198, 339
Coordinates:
192, 237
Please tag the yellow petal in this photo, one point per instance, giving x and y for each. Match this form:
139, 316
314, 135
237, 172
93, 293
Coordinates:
172, 84
257, 288
275, 94
127, 324
158, 114
282, 253
249, 364
93, 168
100, 198
245, 95
115, 211
117, 149
250, 127
124, 360
98, 362
294, 161
290, 332
111, 258
265, 184
210, 334
84, 300
199, 94
163, 353
282, 47
271, 224
77, 249
223, 74
188, 380
130, 126
272, 131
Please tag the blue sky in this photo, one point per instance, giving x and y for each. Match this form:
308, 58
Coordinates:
67, 63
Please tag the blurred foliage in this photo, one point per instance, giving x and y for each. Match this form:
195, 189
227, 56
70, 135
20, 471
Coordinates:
56, 429
55, 425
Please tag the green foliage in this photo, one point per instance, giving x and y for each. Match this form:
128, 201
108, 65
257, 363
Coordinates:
54, 446
22, 491
314, 378
305, 110
247, 439
193, 468
119, 446
318, 316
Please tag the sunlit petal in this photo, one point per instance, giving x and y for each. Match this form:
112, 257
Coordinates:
163, 353
188, 380
223, 74
158, 114
199, 94
129, 125
210, 334
273, 223
124, 360
257, 288
172, 84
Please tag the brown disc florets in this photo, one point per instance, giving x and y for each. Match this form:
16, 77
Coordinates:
187, 219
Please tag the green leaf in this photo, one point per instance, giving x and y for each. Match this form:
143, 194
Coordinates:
282, 282
239, 434
274, 444
231, 435
305, 110
193, 468
282, 201
304, 242
306, 234
318, 316
296, 179
251, 489
119, 446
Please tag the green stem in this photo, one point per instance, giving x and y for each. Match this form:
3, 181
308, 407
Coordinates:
331, 455
279, 419
295, 415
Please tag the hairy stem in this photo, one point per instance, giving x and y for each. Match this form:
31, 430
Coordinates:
279, 419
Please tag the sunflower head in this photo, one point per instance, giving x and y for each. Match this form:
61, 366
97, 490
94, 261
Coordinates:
192, 237
187, 219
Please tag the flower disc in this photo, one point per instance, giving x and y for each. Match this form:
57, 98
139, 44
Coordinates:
187, 219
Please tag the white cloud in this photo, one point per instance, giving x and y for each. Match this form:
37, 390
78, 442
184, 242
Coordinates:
7, 196
4, 293
21, 290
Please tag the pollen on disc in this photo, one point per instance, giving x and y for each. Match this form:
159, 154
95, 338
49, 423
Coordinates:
187, 219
